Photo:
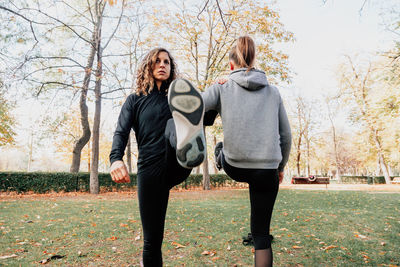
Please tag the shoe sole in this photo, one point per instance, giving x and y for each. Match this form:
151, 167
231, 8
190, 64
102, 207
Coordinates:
187, 108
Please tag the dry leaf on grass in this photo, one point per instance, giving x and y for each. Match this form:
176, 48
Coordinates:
329, 247
360, 236
205, 252
177, 245
8, 256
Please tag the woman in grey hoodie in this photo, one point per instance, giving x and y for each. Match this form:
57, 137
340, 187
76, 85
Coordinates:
257, 138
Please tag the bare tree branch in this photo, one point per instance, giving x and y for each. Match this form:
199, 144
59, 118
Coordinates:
116, 27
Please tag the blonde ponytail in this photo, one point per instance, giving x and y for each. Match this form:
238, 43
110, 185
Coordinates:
243, 53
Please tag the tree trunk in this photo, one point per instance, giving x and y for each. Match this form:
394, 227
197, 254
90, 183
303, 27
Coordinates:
308, 156
298, 156
214, 144
94, 170
129, 154
382, 161
89, 156
84, 139
30, 152
206, 174
336, 155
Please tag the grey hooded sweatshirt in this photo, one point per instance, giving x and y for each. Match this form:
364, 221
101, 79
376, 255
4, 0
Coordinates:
256, 128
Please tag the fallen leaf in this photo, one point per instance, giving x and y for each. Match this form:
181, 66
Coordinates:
177, 245
205, 252
8, 256
113, 238
137, 238
123, 225
360, 236
297, 247
329, 247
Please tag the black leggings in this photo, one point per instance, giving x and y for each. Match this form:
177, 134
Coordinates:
154, 183
263, 188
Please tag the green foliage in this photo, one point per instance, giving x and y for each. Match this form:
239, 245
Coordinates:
44, 182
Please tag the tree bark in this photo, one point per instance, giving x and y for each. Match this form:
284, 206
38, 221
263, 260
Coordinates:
94, 170
206, 174
381, 157
84, 139
298, 156
214, 144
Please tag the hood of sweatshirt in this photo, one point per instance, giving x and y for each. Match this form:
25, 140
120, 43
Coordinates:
252, 80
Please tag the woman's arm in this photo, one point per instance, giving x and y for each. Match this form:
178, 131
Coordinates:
121, 134
285, 136
118, 170
211, 97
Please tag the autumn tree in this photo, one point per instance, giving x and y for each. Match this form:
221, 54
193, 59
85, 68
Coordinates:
7, 121
332, 105
301, 114
361, 83
202, 33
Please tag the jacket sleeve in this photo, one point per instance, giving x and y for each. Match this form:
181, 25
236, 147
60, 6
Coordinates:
121, 134
211, 98
285, 136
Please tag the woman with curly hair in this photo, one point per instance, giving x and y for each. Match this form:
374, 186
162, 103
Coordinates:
166, 154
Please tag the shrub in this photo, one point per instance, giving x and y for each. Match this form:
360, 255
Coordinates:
43, 182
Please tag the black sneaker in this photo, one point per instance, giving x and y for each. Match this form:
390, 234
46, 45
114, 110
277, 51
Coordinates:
217, 155
187, 108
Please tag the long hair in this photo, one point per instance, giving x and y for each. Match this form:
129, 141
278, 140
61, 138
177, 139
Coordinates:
145, 79
243, 52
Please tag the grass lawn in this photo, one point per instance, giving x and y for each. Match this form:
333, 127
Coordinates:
311, 228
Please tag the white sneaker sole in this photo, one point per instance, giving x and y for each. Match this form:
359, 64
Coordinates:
187, 108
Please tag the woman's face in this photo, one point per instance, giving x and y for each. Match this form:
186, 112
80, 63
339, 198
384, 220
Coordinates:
162, 67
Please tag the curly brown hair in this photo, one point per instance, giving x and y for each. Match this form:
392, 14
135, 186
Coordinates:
145, 79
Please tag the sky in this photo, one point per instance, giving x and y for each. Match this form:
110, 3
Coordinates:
326, 32
323, 34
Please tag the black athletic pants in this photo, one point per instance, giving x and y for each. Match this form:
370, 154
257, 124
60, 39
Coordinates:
263, 188
154, 183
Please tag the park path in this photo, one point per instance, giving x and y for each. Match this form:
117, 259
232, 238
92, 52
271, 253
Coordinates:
198, 192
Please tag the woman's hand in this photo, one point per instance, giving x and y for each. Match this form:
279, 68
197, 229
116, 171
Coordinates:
222, 80
280, 177
119, 172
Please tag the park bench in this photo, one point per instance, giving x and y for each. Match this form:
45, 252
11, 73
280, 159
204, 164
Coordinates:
312, 179
396, 180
